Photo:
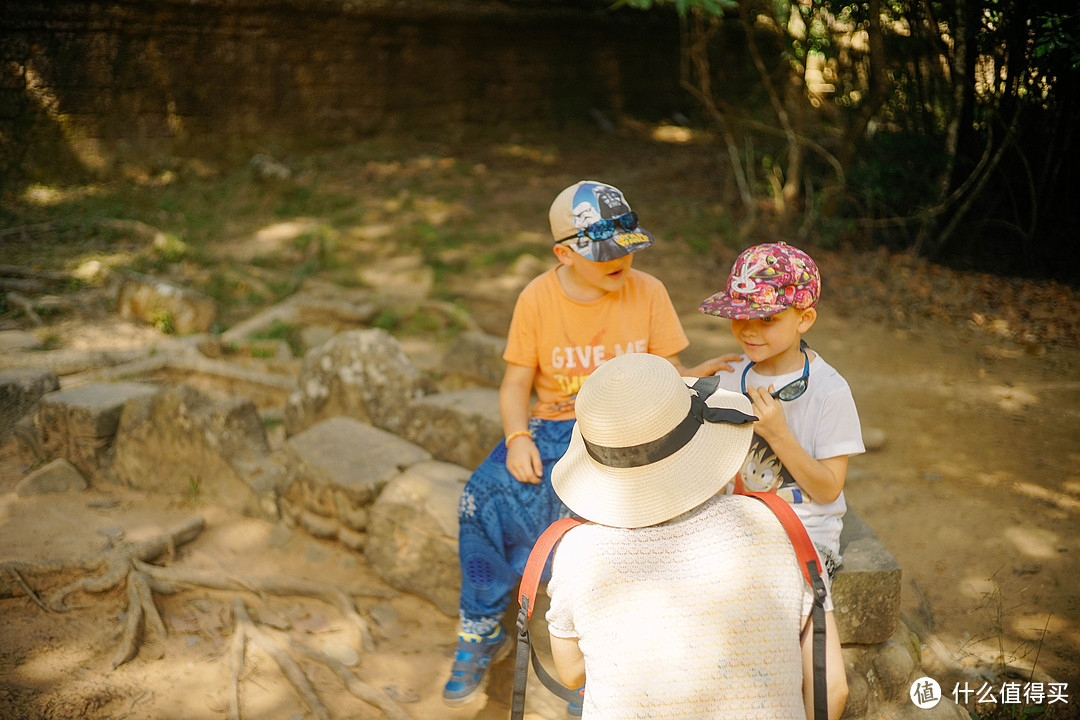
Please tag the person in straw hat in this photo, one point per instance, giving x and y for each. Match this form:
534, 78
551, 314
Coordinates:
676, 600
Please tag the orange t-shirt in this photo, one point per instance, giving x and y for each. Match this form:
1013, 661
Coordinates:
566, 340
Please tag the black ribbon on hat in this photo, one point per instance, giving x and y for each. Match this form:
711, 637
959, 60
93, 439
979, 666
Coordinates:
670, 443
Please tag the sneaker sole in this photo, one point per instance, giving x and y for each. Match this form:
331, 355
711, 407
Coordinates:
482, 685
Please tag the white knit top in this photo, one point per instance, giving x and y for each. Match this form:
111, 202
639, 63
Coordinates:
698, 617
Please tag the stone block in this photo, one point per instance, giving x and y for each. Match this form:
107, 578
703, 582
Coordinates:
459, 427
80, 424
477, 357
20, 390
866, 589
340, 465
412, 533
206, 447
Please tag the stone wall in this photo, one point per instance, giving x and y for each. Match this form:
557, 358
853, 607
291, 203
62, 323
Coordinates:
78, 79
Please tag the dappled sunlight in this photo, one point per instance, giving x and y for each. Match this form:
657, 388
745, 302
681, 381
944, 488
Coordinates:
1072, 485
1013, 399
48, 196
1046, 495
1034, 626
675, 134
1033, 542
43, 666
977, 588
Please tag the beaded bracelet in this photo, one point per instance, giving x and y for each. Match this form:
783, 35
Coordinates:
516, 434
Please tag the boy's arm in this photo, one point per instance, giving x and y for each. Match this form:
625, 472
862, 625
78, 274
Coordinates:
823, 480
522, 457
836, 686
705, 369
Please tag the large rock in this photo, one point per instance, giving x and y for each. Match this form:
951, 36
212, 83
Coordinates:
206, 448
866, 589
362, 374
459, 427
476, 357
80, 424
412, 533
59, 476
337, 468
20, 390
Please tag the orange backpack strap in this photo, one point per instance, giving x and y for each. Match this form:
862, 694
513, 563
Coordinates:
811, 570
534, 568
530, 582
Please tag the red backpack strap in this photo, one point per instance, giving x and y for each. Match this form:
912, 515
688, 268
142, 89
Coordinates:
530, 581
800, 539
808, 563
534, 568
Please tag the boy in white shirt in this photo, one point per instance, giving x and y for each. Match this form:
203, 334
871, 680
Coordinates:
807, 425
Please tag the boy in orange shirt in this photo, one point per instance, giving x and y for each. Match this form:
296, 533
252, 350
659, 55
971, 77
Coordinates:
591, 307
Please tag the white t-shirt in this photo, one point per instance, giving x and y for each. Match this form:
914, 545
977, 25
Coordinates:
698, 617
825, 423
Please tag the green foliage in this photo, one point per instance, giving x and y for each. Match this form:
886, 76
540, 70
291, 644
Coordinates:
163, 321
281, 330
1058, 36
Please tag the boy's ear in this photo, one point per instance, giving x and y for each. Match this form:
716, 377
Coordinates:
564, 254
806, 321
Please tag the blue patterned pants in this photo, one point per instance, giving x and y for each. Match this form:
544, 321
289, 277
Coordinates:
499, 521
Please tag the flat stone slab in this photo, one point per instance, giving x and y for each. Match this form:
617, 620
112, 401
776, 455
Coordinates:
94, 410
350, 455
866, 589
17, 340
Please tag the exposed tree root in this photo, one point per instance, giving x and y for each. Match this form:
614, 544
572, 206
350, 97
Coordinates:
130, 563
276, 585
283, 650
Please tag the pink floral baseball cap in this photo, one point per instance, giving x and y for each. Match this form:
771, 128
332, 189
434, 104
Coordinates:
765, 280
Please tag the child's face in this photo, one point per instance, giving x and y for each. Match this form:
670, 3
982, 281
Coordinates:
768, 337
605, 277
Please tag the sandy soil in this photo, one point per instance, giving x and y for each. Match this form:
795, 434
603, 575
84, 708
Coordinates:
973, 486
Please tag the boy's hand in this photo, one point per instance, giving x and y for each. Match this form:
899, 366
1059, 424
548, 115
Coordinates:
523, 461
770, 413
711, 366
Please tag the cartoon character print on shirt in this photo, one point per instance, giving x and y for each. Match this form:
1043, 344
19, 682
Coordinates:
762, 471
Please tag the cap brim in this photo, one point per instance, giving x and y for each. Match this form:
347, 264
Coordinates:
723, 305
657, 492
620, 244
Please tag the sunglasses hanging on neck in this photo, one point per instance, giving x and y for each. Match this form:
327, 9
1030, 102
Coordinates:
793, 389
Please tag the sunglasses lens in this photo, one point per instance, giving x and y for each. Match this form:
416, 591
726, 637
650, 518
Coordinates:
793, 390
600, 230
628, 221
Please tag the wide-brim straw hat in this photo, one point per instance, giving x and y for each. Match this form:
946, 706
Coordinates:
638, 456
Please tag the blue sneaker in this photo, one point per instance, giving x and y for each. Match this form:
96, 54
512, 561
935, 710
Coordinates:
468, 676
